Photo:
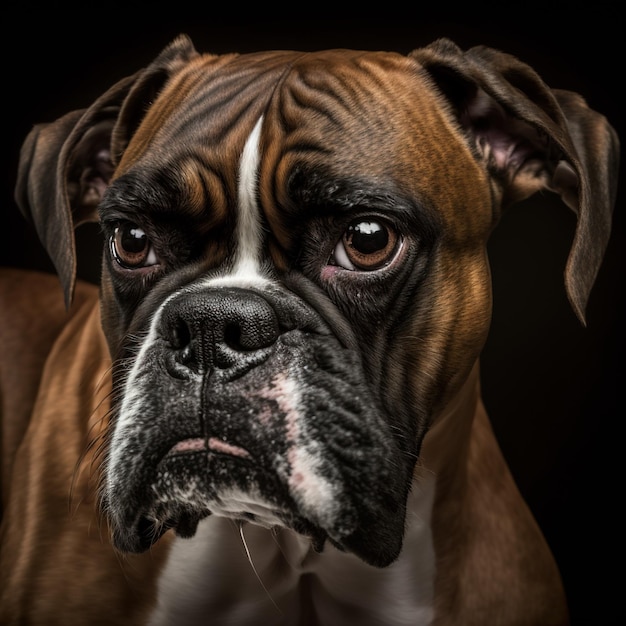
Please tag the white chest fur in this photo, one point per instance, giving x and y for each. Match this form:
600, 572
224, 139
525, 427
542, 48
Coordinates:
210, 580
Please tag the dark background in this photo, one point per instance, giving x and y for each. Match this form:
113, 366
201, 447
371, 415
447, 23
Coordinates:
552, 387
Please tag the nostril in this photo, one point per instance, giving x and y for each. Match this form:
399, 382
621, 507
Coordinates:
244, 337
181, 353
180, 335
247, 325
232, 336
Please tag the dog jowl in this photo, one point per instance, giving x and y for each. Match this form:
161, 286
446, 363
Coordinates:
295, 286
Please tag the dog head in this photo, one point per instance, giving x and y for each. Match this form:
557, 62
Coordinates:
294, 279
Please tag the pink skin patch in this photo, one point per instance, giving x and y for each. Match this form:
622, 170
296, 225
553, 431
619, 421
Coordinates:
189, 445
329, 271
283, 390
214, 444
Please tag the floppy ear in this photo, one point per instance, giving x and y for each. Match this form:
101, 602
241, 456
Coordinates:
66, 165
532, 138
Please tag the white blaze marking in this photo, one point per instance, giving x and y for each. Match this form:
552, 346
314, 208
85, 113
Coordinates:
248, 232
246, 269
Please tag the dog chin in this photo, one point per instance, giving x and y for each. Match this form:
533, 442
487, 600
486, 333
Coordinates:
374, 548
181, 496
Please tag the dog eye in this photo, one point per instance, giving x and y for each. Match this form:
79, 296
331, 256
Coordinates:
131, 247
366, 245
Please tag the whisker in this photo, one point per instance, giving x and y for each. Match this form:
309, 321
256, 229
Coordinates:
245, 546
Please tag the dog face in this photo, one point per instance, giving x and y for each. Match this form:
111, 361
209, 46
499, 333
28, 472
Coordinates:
294, 278
270, 262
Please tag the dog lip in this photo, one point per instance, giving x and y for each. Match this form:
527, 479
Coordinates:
148, 532
144, 533
212, 444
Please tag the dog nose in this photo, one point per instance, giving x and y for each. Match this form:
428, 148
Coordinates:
222, 327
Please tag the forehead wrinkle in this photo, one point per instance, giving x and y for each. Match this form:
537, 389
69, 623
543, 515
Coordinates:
392, 113
307, 105
222, 97
206, 192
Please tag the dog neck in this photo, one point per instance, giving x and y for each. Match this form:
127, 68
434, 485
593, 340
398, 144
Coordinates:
275, 576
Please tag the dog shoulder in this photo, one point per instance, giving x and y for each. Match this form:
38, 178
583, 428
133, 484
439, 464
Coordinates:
32, 315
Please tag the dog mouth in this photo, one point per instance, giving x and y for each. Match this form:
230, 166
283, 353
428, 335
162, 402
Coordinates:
197, 478
181, 496
297, 443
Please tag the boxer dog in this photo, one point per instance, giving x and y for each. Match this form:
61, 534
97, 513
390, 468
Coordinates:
269, 412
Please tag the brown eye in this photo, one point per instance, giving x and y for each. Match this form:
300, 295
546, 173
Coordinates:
131, 247
366, 245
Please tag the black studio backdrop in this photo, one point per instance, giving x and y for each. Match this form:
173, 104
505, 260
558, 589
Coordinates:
552, 387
